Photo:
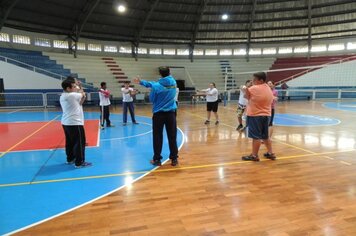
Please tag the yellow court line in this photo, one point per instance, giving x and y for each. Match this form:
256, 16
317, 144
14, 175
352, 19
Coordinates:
29, 136
168, 169
278, 141
293, 146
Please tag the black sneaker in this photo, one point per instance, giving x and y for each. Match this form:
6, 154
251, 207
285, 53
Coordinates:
270, 156
84, 165
70, 162
250, 158
239, 127
216, 122
135, 123
156, 162
174, 162
207, 122
108, 126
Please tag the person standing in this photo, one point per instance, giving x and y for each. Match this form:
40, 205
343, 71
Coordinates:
104, 96
260, 98
127, 100
241, 107
212, 96
164, 114
73, 123
273, 105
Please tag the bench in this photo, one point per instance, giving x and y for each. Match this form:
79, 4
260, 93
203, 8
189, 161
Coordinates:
289, 97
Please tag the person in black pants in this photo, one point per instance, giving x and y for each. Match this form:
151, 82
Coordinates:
164, 109
104, 96
73, 123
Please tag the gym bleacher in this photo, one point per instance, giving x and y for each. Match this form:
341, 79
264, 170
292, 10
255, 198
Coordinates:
43, 64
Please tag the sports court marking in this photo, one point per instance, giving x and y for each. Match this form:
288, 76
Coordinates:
275, 140
341, 106
49, 138
156, 170
117, 156
27, 137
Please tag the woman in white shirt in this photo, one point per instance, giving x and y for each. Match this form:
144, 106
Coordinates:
212, 96
127, 101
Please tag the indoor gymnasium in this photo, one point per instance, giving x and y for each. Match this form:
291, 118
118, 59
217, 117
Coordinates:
178, 117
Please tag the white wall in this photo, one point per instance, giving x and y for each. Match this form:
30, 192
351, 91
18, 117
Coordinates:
16, 77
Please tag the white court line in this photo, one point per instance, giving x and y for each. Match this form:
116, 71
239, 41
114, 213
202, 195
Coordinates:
95, 199
16, 111
127, 137
98, 142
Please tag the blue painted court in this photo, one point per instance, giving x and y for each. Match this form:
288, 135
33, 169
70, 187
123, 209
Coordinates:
36, 185
341, 106
303, 120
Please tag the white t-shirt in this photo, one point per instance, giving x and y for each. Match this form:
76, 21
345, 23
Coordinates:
177, 93
72, 109
104, 101
211, 94
126, 97
242, 100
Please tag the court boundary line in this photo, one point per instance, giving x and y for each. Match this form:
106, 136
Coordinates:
321, 155
306, 125
51, 149
99, 197
27, 137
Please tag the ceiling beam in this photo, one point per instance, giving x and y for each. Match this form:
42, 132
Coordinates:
309, 2
200, 13
138, 36
143, 26
83, 17
250, 26
6, 8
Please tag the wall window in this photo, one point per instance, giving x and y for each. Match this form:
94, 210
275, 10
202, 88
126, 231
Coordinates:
155, 51
301, 49
240, 51
255, 51
4, 37
351, 46
108, 48
60, 44
318, 48
94, 47
81, 46
225, 52
125, 50
182, 52
269, 51
336, 47
42, 42
142, 50
168, 51
211, 52
285, 50
21, 39
198, 52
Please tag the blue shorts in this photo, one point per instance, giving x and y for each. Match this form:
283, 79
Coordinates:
258, 127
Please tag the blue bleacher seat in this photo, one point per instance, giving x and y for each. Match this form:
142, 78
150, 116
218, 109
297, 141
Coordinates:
36, 59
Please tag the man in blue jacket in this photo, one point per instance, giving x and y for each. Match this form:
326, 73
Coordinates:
164, 107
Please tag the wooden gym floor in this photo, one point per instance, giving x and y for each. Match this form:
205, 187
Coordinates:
309, 190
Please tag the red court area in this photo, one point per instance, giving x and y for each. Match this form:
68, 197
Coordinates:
24, 136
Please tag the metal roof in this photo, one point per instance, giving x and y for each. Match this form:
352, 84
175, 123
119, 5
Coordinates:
189, 22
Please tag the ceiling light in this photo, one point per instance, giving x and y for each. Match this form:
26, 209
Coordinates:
225, 17
121, 8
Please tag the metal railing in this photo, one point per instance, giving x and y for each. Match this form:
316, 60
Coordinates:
37, 100
37, 69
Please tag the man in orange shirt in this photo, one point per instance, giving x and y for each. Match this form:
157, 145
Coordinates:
260, 98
